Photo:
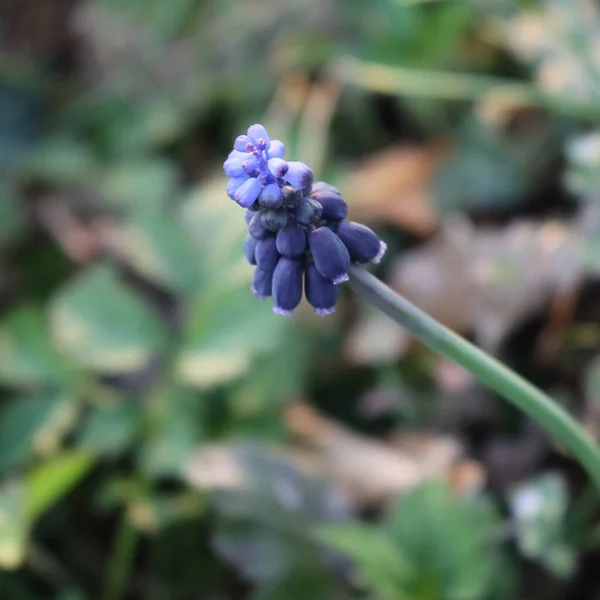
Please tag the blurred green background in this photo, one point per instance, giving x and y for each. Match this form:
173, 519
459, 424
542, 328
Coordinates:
164, 435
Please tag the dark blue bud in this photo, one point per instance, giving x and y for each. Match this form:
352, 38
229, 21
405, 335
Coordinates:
267, 179
259, 136
250, 164
321, 186
234, 167
234, 184
274, 220
308, 212
330, 255
276, 149
287, 285
362, 243
271, 196
334, 207
241, 143
248, 192
250, 249
291, 196
278, 167
256, 228
317, 208
321, 293
266, 253
299, 175
262, 283
248, 216
291, 241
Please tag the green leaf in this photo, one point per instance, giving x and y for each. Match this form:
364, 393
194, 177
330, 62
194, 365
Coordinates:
164, 454
33, 425
176, 423
215, 226
99, 323
476, 176
539, 507
110, 430
49, 482
14, 525
376, 556
63, 159
155, 245
266, 527
445, 540
227, 330
27, 356
430, 546
137, 184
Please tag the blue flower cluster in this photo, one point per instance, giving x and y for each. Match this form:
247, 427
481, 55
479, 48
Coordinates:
297, 233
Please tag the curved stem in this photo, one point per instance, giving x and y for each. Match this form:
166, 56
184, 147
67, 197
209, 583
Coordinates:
488, 370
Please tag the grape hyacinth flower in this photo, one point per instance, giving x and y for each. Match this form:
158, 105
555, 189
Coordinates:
298, 237
297, 232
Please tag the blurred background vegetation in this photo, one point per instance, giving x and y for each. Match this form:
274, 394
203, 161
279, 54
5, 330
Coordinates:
164, 435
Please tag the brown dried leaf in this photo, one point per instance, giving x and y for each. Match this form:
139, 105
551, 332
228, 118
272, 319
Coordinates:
369, 472
489, 280
393, 187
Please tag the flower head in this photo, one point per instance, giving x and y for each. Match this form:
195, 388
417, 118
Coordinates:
297, 232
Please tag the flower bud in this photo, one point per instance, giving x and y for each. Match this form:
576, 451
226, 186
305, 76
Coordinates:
250, 164
299, 175
362, 243
330, 255
250, 249
236, 154
234, 167
234, 184
259, 136
256, 228
276, 149
334, 207
278, 167
287, 285
266, 253
291, 196
271, 196
321, 186
321, 293
248, 216
248, 192
241, 143
274, 220
308, 212
291, 241
262, 283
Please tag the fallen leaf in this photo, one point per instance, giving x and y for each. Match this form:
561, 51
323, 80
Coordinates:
488, 280
393, 188
369, 472
366, 472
